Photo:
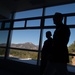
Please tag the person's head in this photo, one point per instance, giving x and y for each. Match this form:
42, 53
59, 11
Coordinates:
57, 18
48, 34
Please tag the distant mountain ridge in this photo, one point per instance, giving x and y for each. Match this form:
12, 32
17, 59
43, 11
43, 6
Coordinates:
27, 45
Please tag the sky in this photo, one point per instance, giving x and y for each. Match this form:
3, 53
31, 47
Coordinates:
22, 36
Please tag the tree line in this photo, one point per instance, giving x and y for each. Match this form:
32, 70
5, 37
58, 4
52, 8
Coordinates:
33, 55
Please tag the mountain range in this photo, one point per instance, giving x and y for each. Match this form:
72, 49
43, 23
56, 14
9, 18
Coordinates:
27, 45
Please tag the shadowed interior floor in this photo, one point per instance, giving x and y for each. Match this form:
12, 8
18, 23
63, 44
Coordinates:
9, 67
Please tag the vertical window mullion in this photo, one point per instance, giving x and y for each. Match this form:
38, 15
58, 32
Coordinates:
41, 35
9, 37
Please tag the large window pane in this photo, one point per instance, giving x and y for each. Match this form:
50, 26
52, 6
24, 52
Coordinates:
3, 38
32, 23
68, 8
71, 43
27, 14
23, 56
27, 39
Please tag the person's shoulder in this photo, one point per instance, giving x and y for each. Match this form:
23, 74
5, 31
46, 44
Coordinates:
45, 41
50, 38
65, 26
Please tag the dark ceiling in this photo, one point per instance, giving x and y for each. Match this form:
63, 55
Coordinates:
20, 5
8, 6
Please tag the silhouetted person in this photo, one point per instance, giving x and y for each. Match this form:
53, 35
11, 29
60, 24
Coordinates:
60, 57
47, 47
60, 40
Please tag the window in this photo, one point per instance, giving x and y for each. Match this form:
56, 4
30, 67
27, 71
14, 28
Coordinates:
71, 20
2, 52
71, 47
3, 38
44, 34
24, 56
18, 24
33, 23
68, 8
49, 22
71, 44
7, 25
28, 14
26, 39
